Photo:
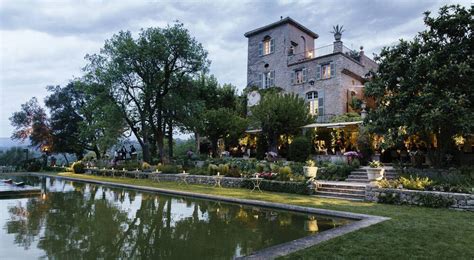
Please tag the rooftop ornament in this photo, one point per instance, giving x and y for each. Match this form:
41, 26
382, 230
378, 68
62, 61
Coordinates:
337, 31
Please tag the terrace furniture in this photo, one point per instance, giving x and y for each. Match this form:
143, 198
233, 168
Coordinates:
156, 177
217, 180
256, 181
183, 178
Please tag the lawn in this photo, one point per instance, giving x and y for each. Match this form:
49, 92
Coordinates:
412, 232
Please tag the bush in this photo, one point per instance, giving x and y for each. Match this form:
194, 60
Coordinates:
33, 165
416, 183
199, 171
300, 149
234, 171
284, 174
78, 167
280, 186
169, 168
223, 169
213, 169
335, 171
146, 166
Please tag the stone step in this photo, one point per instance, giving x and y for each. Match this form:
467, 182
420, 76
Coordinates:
341, 195
339, 198
342, 186
340, 190
358, 180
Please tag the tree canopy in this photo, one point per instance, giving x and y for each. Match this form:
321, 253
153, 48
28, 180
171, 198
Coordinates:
280, 114
425, 86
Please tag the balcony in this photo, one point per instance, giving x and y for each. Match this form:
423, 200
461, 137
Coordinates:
319, 52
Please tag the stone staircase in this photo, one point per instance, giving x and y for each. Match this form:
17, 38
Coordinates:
360, 175
341, 190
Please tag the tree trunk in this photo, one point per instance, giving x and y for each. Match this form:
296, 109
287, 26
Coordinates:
214, 142
197, 140
170, 140
273, 143
65, 158
97, 152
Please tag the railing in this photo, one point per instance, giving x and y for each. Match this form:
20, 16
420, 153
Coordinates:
318, 52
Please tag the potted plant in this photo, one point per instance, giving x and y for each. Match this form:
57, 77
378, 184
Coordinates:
337, 31
375, 171
310, 169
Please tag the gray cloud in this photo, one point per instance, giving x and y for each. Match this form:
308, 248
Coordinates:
44, 42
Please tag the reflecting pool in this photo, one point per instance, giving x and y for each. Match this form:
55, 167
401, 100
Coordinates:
75, 220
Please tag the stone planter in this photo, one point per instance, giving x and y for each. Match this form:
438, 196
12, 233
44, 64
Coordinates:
374, 174
310, 172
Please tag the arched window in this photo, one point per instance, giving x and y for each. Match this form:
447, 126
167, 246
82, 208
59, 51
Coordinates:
303, 45
315, 100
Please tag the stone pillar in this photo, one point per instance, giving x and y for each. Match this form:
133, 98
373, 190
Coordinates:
337, 46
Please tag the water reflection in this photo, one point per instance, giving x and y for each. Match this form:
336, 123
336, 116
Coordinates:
78, 220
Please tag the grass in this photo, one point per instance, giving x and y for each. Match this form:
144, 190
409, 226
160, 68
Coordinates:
412, 232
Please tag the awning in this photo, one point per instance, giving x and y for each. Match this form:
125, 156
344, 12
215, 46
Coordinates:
253, 131
332, 125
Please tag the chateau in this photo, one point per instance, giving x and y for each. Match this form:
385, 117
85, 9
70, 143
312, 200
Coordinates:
284, 54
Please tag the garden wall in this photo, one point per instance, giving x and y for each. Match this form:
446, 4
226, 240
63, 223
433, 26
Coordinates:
228, 182
435, 199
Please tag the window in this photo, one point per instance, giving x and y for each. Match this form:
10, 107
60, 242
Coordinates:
316, 102
312, 98
326, 71
298, 76
267, 79
267, 46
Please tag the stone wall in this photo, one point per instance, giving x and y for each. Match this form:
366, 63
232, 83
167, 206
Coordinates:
459, 201
227, 182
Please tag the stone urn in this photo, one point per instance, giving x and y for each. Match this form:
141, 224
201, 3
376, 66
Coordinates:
375, 174
310, 171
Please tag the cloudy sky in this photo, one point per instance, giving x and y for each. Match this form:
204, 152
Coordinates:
44, 42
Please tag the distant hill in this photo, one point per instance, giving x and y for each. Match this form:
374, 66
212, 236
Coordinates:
6, 143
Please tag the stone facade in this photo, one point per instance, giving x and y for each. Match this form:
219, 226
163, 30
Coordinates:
292, 53
460, 201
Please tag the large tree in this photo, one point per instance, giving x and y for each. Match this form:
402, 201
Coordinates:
425, 86
222, 123
280, 114
32, 123
139, 74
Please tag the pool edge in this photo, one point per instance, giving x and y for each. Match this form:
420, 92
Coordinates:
363, 220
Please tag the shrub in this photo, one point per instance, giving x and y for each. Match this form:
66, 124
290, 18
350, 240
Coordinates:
146, 166
280, 186
335, 171
169, 168
416, 183
130, 165
355, 163
234, 171
260, 167
213, 169
33, 165
300, 149
78, 167
223, 169
284, 174
199, 171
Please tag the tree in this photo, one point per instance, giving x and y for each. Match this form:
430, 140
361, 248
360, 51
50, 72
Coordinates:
79, 122
222, 123
138, 75
32, 122
280, 114
425, 86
